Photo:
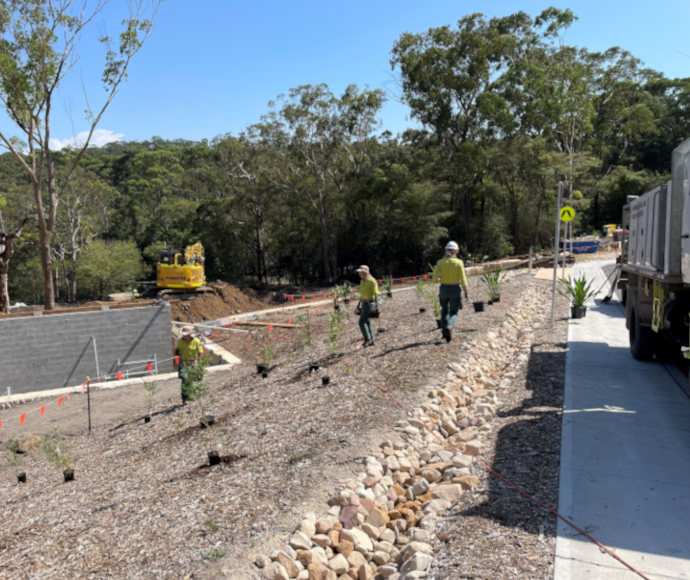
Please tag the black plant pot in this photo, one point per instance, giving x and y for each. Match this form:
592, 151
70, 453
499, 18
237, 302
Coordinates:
68, 474
389, 294
21, 477
147, 418
314, 366
213, 458
578, 311
207, 421
264, 374
495, 299
421, 310
478, 306
346, 300
336, 307
325, 380
261, 368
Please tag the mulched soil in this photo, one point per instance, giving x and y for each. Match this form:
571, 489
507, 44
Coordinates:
146, 504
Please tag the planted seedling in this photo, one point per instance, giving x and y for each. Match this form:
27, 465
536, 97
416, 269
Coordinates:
387, 283
494, 282
14, 458
335, 329
151, 390
56, 450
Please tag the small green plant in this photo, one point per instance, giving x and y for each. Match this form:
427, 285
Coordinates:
151, 390
197, 388
211, 525
267, 349
56, 450
387, 284
335, 329
344, 291
301, 457
420, 289
578, 290
435, 304
215, 555
494, 282
307, 341
13, 455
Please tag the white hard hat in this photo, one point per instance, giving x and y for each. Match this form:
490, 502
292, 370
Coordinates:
452, 246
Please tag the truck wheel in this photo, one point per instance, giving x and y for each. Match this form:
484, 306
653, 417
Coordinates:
642, 338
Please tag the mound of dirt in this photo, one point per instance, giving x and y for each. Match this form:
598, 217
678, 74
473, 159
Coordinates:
225, 300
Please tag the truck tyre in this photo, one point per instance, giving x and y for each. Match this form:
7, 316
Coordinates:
642, 338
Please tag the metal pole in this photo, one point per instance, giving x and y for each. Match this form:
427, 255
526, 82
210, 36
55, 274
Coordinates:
555, 251
95, 354
88, 400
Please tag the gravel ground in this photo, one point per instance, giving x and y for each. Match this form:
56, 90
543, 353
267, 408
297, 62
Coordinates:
145, 503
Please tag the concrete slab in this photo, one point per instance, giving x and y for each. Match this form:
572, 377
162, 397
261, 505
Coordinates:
625, 456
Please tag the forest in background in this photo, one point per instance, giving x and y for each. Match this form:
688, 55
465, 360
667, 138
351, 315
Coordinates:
314, 188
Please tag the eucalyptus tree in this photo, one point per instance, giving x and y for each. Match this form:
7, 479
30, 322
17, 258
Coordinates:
321, 146
447, 80
84, 214
38, 48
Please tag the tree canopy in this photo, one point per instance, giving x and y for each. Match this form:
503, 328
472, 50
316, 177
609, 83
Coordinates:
314, 188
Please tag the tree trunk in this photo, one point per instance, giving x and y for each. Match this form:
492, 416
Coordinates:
6, 251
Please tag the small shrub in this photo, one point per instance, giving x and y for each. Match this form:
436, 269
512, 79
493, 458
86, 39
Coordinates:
56, 450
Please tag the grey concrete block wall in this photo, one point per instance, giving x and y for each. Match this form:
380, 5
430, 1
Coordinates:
57, 350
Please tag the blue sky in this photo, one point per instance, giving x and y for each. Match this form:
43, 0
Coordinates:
211, 66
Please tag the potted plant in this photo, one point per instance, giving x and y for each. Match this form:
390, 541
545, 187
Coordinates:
435, 304
344, 290
387, 284
151, 390
56, 450
420, 291
193, 375
266, 353
579, 291
14, 457
307, 341
494, 281
335, 329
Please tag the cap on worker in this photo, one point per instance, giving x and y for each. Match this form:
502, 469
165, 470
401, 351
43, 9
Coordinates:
364, 269
187, 330
452, 246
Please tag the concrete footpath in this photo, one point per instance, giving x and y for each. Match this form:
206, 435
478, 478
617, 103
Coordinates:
625, 453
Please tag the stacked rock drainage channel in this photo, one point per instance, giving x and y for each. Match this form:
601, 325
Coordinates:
381, 524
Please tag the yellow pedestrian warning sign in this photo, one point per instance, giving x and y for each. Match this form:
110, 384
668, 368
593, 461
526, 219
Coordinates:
567, 213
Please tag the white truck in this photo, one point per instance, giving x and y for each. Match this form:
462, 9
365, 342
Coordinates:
655, 265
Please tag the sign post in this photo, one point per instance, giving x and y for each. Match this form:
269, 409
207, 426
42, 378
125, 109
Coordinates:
557, 239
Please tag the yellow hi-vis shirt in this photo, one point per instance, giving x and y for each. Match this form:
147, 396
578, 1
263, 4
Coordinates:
450, 271
189, 351
368, 289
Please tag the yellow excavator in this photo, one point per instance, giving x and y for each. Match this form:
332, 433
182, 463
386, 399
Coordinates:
180, 273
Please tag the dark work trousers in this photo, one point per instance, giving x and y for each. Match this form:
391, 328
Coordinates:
451, 302
365, 322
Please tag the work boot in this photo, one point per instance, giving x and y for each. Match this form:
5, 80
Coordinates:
446, 334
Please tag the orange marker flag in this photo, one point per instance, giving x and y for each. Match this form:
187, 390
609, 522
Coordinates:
43, 410
60, 402
0, 425
68, 396
149, 367
22, 418
402, 280
289, 320
177, 360
118, 374
270, 327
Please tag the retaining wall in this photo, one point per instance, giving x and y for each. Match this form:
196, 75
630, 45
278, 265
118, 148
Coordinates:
54, 351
